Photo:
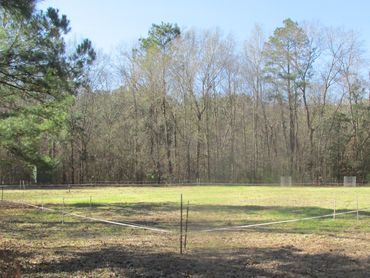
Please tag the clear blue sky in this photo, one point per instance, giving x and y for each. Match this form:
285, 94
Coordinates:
109, 23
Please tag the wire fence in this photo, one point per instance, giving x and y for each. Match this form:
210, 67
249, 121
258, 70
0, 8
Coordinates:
345, 207
284, 181
63, 212
240, 227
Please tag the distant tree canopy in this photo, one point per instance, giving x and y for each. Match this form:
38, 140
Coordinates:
289, 57
160, 35
38, 78
189, 105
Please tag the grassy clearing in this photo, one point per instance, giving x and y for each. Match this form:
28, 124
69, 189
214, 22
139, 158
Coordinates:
103, 249
202, 195
211, 206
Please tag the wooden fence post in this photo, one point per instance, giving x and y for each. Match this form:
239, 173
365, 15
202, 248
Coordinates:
63, 212
186, 226
334, 209
357, 207
90, 206
181, 224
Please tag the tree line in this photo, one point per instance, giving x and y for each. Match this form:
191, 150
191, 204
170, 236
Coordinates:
185, 106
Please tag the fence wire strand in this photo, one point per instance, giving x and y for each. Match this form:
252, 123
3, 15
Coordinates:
93, 218
241, 227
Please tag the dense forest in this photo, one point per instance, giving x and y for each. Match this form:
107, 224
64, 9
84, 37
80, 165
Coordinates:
181, 105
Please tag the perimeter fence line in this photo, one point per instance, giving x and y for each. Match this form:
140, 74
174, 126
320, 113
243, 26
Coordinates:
91, 218
169, 183
241, 227
238, 227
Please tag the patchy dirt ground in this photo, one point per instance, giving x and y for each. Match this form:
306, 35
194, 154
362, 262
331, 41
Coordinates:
34, 244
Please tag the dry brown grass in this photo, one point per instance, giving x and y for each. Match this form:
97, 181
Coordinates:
36, 244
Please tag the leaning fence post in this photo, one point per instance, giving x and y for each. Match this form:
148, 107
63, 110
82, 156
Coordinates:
186, 226
90, 206
334, 209
63, 212
357, 208
181, 224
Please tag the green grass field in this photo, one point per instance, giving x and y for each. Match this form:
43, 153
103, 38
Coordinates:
226, 194
210, 206
28, 228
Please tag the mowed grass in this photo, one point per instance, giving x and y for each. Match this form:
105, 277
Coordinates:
204, 195
50, 244
210, 206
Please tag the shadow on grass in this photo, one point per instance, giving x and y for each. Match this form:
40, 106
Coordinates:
145, 208
286, 261
130, 208
212, 216
165, 215
10, 262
